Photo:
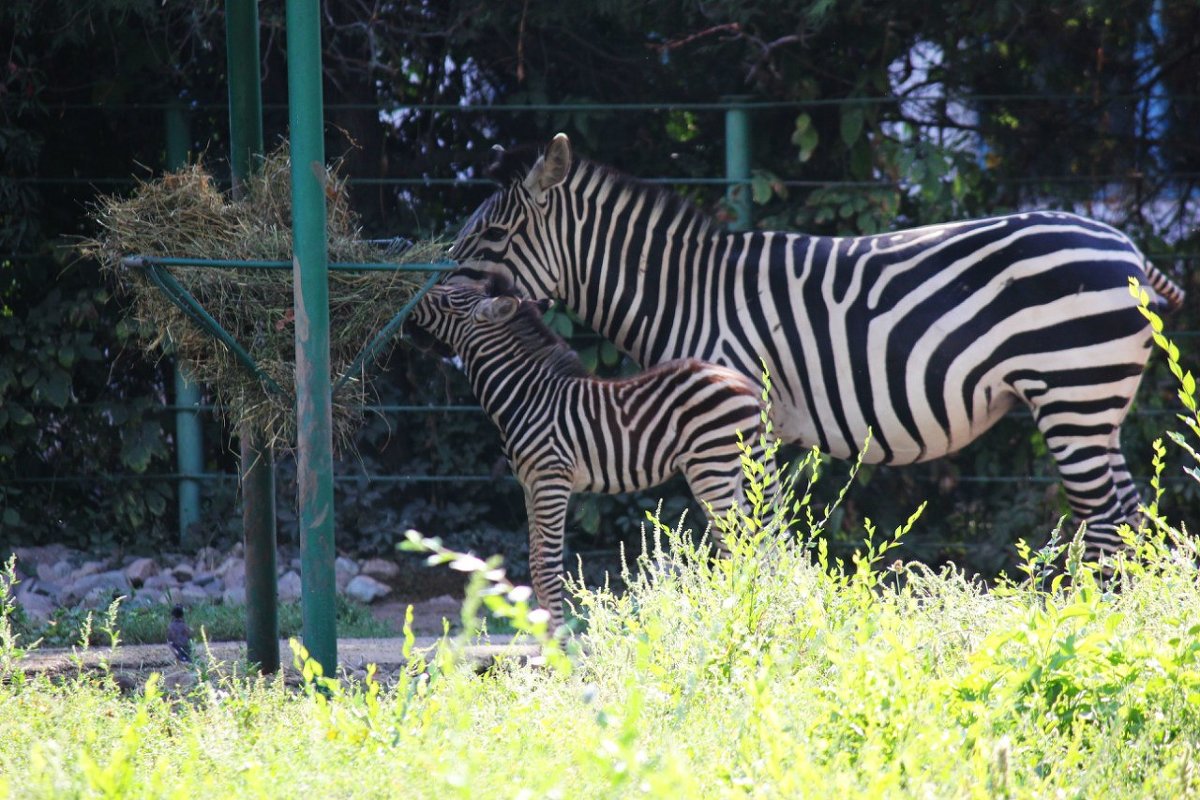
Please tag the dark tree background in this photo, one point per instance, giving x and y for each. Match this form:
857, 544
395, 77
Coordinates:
887, 114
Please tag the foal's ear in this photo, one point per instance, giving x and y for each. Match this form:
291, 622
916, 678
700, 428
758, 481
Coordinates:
551, 169
496, 309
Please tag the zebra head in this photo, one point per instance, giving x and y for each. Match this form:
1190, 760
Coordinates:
469, 317
453, 313
510, 234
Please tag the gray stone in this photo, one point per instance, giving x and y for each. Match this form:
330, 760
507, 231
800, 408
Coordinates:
144, 598
381, 569
163, 580
87, 568
33, 557
38, 608
233, 572
204, 578
289, 586
343, 570
49, 588
178, 681
141, 569
100, 598
95, 584
191, 594
207, 558
215, 588
234, 596
182, 572
57, 572
366, 589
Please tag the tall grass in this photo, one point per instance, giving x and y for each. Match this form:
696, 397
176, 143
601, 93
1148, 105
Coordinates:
776, 672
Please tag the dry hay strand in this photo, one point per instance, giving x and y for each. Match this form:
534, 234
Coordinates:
185, 215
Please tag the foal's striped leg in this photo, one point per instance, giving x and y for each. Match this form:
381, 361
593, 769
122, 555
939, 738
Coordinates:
546, 502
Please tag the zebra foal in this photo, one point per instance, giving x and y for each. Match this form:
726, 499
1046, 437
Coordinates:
565, 430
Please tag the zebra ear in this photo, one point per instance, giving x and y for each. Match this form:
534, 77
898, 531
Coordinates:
551, 169
496, 309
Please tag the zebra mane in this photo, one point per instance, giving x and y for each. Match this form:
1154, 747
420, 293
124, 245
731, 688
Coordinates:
534, 336
672, 205
513, 165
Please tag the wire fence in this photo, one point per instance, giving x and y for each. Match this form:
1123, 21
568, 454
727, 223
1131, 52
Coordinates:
216, 110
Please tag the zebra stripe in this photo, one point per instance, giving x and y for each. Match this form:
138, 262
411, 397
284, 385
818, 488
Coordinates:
566, 431
926, 336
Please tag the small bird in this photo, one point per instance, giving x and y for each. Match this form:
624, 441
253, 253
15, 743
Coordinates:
179, 636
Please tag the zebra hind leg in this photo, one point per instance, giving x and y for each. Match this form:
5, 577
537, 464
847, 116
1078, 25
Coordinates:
1085, 445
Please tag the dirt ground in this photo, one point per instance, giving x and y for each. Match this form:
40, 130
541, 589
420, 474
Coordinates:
131, 665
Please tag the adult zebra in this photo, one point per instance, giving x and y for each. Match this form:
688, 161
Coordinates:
567, 431
926, 336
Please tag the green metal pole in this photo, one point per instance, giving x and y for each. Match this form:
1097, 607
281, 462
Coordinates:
258, 459
737, 164
314, 437
189, 442
245, 86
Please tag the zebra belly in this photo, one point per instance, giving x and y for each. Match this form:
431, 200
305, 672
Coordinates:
614, 470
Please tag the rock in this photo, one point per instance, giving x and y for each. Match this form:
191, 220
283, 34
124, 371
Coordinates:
208, 557
144, 598
48, 588
191, 594
205, 578
381, 569
366, 589
163, 580
30, 558
233, 572
96, 585
37, 607
127, 682
57, 572
182, 572
178, 680
234, 596
289, 587
215, 589
87, 568
343, 570
140, 569
100, 598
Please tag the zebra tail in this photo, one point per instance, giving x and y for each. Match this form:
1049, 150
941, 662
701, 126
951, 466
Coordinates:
1170, 295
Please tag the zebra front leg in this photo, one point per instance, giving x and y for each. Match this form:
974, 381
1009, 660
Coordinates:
546, 502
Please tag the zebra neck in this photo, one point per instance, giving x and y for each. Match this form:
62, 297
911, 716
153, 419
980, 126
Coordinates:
500, 373
644, 298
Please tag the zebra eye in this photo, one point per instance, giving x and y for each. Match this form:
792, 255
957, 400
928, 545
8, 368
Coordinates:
494, 233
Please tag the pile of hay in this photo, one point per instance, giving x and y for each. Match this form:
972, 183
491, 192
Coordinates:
184, 214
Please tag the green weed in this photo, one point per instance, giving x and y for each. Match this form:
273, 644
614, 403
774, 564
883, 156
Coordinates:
775, 672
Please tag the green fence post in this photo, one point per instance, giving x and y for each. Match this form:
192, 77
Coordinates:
314, 428
257, 458
189, 441
737, 163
